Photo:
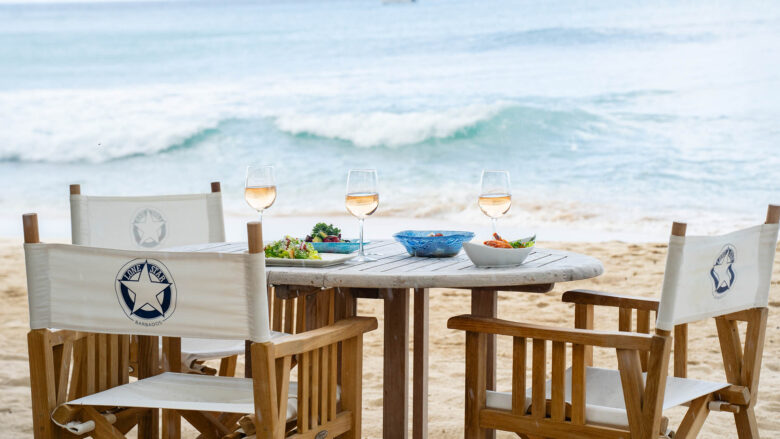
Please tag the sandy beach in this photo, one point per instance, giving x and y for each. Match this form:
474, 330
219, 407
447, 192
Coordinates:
630, 268
609, 119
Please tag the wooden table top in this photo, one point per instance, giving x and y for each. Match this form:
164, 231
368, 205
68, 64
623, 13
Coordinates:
394, 268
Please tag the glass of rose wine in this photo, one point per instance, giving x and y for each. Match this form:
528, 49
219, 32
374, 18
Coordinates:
260, 191
362, 200
495, 197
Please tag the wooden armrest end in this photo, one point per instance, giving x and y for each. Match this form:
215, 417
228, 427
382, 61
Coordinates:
327, 335
600, 298
588, 337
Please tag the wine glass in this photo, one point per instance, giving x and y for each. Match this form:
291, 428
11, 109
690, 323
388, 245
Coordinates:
362, 199
260, 191
495, 198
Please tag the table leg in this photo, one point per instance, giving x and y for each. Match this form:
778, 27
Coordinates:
345, 304
420, 372
396, 364
148, 365
484, 303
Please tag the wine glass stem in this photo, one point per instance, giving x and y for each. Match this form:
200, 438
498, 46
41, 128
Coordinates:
494, 220
361, 238
260, 212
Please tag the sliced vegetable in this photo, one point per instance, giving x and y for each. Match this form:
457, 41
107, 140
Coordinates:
325, 233
500, 242
291, 248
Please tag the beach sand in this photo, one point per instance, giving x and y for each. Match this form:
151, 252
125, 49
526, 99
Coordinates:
630, 268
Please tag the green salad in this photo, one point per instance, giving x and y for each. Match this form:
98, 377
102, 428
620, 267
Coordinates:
291, 248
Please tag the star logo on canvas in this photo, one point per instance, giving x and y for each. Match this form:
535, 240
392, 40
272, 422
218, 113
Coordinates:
722, 272
149, 227
146, 291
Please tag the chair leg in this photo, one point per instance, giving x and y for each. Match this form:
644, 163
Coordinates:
42, 385
694, 418
227, 366
231, 422
103, 429
206, 423
352, 384
747, 428
476, 360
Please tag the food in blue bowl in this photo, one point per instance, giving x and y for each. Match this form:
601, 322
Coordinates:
326, 238
433, 243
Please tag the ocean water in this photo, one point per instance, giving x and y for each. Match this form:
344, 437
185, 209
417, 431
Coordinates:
610, 115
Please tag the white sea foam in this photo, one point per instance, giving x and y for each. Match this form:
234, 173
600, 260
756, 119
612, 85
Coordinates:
382, 128
99, 125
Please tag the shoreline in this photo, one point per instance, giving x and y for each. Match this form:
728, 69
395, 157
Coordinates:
57, 228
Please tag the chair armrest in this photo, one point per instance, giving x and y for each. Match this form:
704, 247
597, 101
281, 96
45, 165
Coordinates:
327, 335
590, 297
588, 337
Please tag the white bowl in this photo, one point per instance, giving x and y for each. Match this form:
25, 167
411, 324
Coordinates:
484, 256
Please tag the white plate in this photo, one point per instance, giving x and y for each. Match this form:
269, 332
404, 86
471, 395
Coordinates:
484, 256
327, 260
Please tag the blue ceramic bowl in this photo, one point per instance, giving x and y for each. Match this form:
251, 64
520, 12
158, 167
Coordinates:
419, 243
337, 247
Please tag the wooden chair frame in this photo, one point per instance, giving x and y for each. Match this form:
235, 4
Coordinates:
742, 361
326, 357
636, 352
66, 365
555, 418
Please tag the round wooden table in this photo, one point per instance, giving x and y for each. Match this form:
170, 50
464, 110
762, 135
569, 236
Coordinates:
391, 277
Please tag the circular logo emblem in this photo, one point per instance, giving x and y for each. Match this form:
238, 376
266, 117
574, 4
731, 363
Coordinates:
722, 272
146, 291
148, 227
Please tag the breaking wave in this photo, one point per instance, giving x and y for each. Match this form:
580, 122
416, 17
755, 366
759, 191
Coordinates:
398, 129
388, 129
131, 128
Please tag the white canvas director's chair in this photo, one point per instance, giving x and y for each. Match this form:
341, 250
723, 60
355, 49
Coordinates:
154, 222
726, 277
94, 292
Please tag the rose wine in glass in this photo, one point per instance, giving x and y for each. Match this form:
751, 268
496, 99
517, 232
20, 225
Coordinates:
260, 191
362, 200
495, 197
362, 205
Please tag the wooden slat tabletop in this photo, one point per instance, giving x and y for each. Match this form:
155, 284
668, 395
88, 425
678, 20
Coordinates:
394, 268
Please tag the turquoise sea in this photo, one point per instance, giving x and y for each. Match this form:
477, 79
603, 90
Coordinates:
609, 115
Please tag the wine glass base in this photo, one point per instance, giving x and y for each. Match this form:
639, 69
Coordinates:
363, 258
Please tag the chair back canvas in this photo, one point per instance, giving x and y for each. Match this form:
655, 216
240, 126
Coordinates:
709, 276
174, 294
133, 223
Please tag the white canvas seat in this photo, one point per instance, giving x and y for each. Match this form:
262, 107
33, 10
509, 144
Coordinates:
154, 222
180, 391
204, 349
605, 403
